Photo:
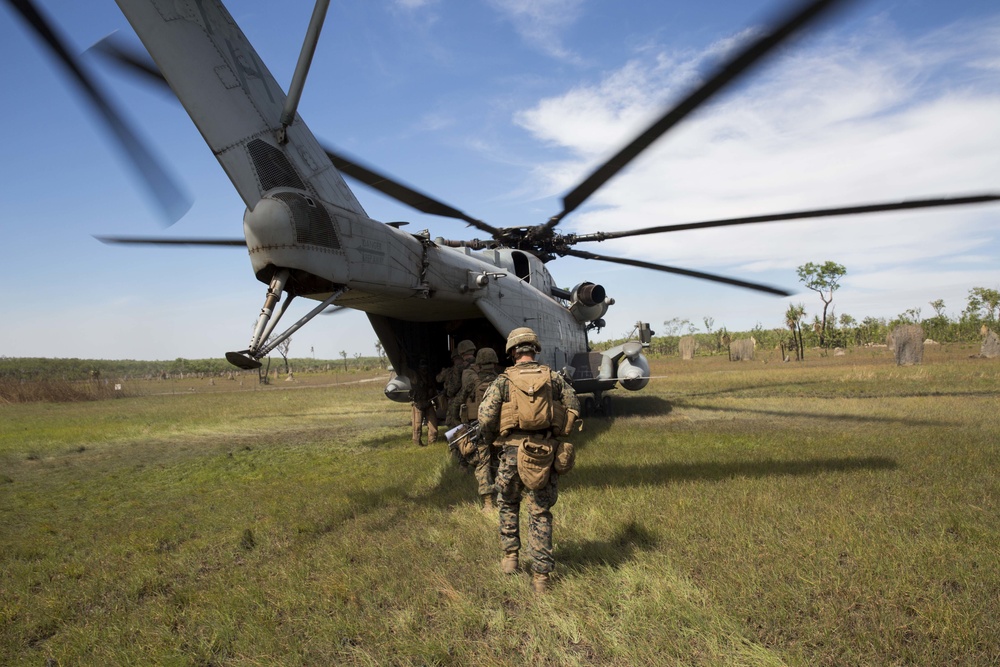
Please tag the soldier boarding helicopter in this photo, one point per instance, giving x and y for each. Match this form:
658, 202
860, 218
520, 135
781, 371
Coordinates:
308, 236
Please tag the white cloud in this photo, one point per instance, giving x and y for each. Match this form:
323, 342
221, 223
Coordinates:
850, 121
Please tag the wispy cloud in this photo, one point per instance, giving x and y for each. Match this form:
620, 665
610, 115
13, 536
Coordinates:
540, 22
413, 4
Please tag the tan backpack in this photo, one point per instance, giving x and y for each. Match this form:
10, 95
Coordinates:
476, 397
531, 405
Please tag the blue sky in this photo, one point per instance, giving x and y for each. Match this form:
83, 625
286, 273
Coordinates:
499, 107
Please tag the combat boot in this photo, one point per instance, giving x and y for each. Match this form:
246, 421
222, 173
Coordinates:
509, 563
488, 504
540, 582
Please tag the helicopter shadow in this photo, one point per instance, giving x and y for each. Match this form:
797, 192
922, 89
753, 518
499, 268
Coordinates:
625, 406
620, 548
829, 416
669, 473
757, 387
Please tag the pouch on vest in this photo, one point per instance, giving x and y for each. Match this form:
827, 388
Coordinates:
534, 462
565, 458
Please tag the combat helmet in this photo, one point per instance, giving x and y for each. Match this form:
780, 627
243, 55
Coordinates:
522, 336
465, 347
487, 356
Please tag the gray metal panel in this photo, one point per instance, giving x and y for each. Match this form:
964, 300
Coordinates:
233, 99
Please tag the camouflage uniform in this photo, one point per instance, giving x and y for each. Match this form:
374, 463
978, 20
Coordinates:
510, 488
452, 386
486, 459
443, 379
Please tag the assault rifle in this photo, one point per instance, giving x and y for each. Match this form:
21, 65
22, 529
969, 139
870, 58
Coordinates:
463, 438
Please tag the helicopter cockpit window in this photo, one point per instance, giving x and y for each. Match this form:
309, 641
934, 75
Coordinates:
521, 267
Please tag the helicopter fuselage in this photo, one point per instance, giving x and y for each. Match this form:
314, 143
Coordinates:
422, 296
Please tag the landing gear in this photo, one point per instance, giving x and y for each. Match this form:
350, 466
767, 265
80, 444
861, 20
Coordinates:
261, 342
606, 407
597, 405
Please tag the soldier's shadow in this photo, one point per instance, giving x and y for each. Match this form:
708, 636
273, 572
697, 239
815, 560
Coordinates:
613, 552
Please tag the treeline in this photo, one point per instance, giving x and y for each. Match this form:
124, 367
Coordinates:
29, 369
842, 332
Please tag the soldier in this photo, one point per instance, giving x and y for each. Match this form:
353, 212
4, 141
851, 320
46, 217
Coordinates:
451, 377
465, 409
521, 411
422, 400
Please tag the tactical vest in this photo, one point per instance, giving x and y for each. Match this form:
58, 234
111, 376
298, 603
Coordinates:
476, 397
530, 404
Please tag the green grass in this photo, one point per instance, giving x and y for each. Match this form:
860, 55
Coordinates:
843, 511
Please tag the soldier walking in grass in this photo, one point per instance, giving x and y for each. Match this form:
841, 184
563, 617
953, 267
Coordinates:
522, 412
465, 409
422, 401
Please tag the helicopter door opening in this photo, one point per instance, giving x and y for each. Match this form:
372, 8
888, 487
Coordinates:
410, 344
521, 267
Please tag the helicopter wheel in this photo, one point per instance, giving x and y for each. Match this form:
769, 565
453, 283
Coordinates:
589, 406
607, 408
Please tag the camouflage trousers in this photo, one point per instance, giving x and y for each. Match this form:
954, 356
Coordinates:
486, 467
510, 490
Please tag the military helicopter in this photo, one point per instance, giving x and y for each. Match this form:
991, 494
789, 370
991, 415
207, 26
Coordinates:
308, 236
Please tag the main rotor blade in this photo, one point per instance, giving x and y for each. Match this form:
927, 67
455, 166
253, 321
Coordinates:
796, 215
742, 62
683, 272
402, 193
149, 240
118, 52
349, 166
168, 194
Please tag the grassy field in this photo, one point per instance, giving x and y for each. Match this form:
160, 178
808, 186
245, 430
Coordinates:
841, 511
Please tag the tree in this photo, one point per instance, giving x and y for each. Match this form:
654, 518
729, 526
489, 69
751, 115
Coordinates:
283, 348
938, 306
984, 303
937, 327
381, 354
674, 326
872, 329
824, 279
793, 320
343, 354
908, 316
